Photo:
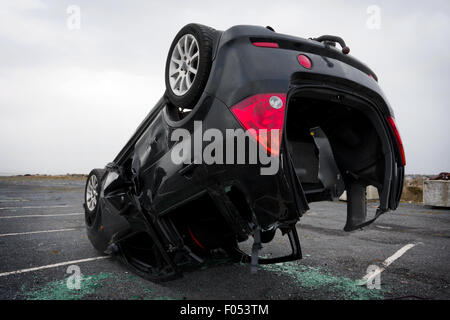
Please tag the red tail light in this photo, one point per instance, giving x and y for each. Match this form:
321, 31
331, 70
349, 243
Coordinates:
194, 238
391, 121
260, 112
266, 44
304, 61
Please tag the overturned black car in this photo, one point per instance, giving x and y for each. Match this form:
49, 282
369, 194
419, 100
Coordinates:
252, 127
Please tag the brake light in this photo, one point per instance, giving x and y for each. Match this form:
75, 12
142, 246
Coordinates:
373, 77
194, 238
304, 61
262, 111
266, 44
391, 121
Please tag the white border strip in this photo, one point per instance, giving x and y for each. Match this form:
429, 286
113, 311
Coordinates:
42, 215
52, 266
34, 232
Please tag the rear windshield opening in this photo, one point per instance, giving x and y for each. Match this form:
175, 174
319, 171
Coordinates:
316, 123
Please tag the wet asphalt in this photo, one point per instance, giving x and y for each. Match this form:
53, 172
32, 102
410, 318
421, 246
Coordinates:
333, 260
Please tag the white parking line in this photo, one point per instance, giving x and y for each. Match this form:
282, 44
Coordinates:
41, 215
52, 266
37, 207
384, 227
387, 262
33, 232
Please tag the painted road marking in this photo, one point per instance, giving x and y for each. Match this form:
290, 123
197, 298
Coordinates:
386, 263
52, 266
34, 232
384, 227
41, 215
37, 207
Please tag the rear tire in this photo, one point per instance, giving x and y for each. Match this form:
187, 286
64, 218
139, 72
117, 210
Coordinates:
188, 65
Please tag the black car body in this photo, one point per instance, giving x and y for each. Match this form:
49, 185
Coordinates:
337, 133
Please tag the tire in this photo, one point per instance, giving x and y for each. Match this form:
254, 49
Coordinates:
93, 211
183, 86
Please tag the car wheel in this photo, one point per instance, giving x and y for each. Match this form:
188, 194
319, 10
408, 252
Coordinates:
91, 195
92, 210
188, 65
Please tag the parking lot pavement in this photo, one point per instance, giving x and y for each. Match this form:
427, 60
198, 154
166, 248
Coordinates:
42, 234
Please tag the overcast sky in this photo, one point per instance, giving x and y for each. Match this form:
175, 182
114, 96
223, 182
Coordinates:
71, 98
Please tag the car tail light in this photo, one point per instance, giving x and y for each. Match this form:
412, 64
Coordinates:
372, 76
266, 44
194, 238
262, 111
304, 61
391, 121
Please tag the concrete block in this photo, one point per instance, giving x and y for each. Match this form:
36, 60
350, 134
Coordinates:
436, 193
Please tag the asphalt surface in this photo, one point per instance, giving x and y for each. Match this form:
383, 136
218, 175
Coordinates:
333, 260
